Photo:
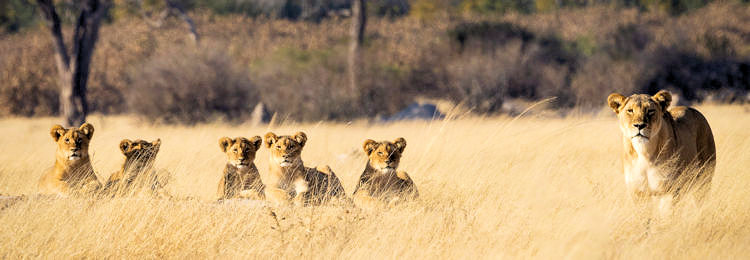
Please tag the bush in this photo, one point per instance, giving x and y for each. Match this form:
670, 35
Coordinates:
481, 82
313, 85
503, 59
600, 76
694, 77
189, 86
498, 6
627, 40
16, 14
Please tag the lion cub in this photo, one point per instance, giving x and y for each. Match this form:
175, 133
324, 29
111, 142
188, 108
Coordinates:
136, 171
240, 177
73, 173
289, 179
381, 183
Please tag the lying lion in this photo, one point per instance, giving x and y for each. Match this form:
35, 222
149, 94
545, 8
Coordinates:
240, 177
72, 173
290, 181
137, 170
382, 183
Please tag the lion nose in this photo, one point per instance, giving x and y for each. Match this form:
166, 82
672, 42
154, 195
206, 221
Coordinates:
640, 126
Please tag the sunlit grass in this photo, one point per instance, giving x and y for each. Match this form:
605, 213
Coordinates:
490, 187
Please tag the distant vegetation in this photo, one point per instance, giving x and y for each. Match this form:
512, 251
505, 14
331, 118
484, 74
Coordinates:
17, 14
478, 53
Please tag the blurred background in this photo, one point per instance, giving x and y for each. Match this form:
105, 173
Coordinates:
192, 61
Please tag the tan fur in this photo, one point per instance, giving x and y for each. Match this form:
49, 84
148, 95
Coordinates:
240, 177
72, 173
672, 154
136, 171
289, 179
382, 183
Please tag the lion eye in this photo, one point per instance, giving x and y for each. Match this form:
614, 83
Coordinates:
278, 147
247, 150
235, 150
380, 153
630, 111
79, 140
651, 112
67, 140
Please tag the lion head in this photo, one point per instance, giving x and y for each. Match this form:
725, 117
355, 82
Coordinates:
640, 115
73, 143
240, 151
139, 154
384, 156
286, 150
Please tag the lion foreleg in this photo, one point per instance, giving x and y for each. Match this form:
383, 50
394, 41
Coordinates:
301, 188
363, 200
277, 196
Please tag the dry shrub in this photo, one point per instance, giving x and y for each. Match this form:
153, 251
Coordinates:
576, 55
313, 84
695, 77
188, 86
599, 76
500, 60
29, 78
302, 84
627, 40
482, 81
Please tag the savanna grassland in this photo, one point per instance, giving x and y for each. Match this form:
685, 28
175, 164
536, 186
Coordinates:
491, 187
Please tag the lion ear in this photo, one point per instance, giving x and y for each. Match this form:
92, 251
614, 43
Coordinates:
224, 143
664, 98
301, 138
157, 142
87, 130
56, 132
369, 146
615, 101
125, 145
256, 141
400, 144
270, 139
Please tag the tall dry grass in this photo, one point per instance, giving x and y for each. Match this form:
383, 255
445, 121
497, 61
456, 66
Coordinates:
490, 188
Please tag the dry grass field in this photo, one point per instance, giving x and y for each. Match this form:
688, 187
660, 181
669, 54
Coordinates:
527, 187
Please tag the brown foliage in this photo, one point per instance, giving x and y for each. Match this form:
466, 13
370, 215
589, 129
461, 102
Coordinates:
298, 69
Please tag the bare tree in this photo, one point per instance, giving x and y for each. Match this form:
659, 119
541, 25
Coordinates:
73, 69
359, 21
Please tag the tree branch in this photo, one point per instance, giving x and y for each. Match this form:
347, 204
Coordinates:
53, 22
172, 5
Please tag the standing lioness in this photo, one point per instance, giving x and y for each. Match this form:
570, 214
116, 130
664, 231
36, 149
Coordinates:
667, 152
289, 179
72, 173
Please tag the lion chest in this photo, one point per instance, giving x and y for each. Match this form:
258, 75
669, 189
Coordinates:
644, 177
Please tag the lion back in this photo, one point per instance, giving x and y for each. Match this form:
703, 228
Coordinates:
323, 184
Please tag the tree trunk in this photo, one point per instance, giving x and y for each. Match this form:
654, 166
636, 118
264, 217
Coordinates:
73, 70
359, 20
